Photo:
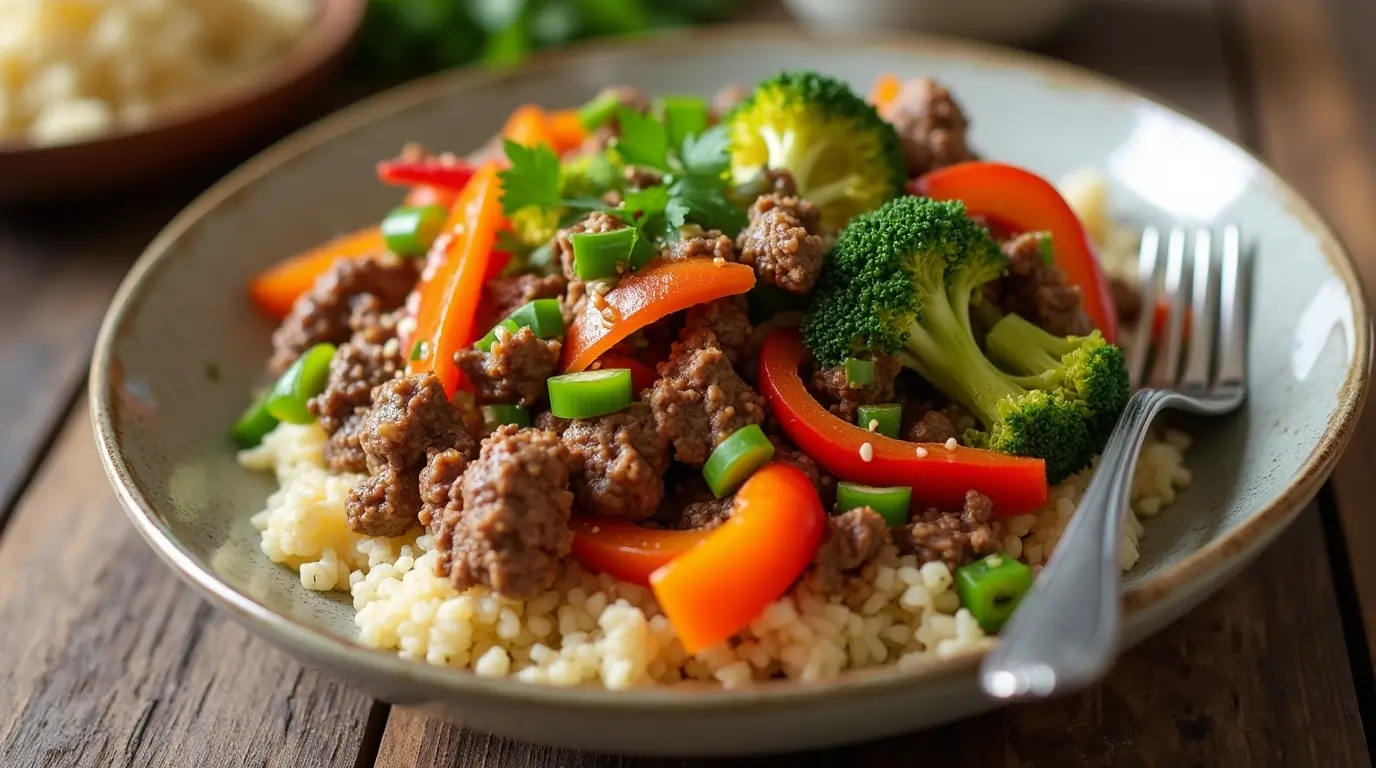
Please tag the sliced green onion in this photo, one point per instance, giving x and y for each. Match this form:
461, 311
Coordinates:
992, 588
882, 418
599, 110
1044, 248
598, 255
684, 116
859, 372
496, 415
305, 379
541, 316
590, 394
736, 459
256, 422
891, 503
410, 231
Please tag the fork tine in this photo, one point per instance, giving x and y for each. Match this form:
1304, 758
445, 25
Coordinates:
1147, 262
1232, 319
1167, 364
1199, 347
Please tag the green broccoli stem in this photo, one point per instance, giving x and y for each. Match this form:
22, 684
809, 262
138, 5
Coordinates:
1023, 348
941, 348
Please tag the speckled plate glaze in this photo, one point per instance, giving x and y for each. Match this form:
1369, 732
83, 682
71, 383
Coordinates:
181, 348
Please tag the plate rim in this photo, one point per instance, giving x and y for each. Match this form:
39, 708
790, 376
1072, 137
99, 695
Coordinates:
1238, 545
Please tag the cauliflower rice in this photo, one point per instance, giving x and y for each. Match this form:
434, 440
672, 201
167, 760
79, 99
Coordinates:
592, 629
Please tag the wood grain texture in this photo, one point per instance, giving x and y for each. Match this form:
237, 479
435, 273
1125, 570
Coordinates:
1313, 71
109, 660
1240, 681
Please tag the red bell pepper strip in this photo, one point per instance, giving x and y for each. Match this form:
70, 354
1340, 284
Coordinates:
658, 290
450, 174
446, 299
1025, 202
715, 589
628, 551
940, 477
275, 289
642, 375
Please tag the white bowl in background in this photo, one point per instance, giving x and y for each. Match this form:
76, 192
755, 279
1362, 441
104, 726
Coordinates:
999, 21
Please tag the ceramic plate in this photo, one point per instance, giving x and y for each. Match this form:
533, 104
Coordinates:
181, 347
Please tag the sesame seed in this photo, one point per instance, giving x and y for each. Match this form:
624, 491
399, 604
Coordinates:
921, 452
951, 443
867, 452
718, 261
874, 424
597, 365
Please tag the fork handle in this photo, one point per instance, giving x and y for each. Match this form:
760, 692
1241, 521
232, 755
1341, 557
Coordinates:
1064, 633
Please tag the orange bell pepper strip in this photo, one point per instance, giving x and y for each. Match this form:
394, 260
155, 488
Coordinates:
447, 298
641, 298
716, 588
528, 125
884, 92
1022, 201
275, 289
938, 476
566, 131
628, 551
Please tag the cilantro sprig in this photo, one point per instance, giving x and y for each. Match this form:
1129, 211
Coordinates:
692, 169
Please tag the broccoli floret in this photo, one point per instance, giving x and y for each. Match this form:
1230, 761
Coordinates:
591, 174
1089, 369
901, 280
843, 155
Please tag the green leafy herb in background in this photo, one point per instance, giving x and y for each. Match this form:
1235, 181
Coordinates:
415, 36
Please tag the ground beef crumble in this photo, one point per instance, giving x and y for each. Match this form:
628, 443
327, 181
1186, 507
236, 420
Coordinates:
708, 244
855, 542
931, 126
726, 318
514, 370
699, 399
371, 357
1038, 291
504, 523
410, 418
933, 425
503, 295
322, 313
845, 399
781, 243
618, 462
955, 538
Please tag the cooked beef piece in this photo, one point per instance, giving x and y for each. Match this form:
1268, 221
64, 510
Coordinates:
934, 426
640, 177
709, 244
440, 487
855, 539
780, 181
619, 461
507, 524
845, 399
409, 417
787, 453
931, 127
781, 244
503, 295
688, 502
1126, 298
573, 302
728, 319
322, 313
514, 370
1038, 291
705, 514
369, 358
727, 98
699, 399
593, 222
955, 538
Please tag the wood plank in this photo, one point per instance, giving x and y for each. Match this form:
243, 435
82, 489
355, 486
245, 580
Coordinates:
109, 660
1313, 72
1236, 682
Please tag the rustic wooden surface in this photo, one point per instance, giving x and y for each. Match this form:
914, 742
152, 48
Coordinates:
105, 659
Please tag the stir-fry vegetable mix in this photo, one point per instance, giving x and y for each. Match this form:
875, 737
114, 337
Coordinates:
904, 280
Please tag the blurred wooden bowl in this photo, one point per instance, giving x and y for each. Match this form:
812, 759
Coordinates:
180, 139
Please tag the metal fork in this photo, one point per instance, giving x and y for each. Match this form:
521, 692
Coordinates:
1064, 634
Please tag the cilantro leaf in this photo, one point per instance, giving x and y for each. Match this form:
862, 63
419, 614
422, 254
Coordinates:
707, 204
707, 153
676, 211
647, 203
643, 140
532, 179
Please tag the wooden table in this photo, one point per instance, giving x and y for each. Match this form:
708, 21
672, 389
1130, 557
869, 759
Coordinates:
106, 659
